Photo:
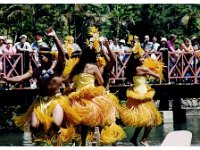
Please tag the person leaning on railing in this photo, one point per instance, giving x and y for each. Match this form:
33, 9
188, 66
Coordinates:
171, 48
195, 43
187, 47
10, 50
24, 48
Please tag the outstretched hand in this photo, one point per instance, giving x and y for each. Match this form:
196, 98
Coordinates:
50, 32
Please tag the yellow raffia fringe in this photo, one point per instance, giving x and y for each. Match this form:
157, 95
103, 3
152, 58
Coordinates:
22, 119
115, 101
144, 114
43, 118
70, 114
44, 140
132, 95
111, 134
66, 135
70, 63
154, 65
89, 111
89, 138
95, 106
86, 93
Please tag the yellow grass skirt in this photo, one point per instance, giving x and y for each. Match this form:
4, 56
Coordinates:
140, 110
95, 106
43, 108
111, 134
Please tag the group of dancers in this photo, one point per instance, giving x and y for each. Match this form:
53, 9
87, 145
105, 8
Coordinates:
62, 116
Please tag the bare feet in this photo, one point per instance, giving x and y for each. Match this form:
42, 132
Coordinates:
134, 142
144, 143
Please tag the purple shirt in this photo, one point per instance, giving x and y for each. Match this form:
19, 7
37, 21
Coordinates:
171, 46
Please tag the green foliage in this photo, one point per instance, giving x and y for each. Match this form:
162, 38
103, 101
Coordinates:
118, 20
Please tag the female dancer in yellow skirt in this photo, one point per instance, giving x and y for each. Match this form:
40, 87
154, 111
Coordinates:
91, 102
46, 114
140, 111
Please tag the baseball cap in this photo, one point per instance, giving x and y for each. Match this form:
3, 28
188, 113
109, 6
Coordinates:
23, 36
9, 41
122, 41
2, 38
163, 39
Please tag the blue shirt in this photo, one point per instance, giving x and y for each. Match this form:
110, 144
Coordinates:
148, 46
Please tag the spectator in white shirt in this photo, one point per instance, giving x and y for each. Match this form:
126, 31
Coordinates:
114, 45
155, 44
23, 45
102, 46
147, 45
24, 48
122, 49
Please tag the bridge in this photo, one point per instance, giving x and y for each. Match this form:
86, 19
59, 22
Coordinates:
182, 75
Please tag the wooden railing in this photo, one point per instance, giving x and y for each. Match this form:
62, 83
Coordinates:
118, 70
184, 67
12, 65
181, 67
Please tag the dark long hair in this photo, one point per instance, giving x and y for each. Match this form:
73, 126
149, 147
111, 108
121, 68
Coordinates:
88, 56
47, 54
131, 66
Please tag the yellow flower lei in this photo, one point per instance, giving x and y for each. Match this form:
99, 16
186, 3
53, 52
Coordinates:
101, 61
93, 30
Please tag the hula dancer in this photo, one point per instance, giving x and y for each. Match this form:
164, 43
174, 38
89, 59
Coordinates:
140, 110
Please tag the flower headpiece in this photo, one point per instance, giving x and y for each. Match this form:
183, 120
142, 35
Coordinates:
69, 39
131, 38
93, 31
68, 44
138, 51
